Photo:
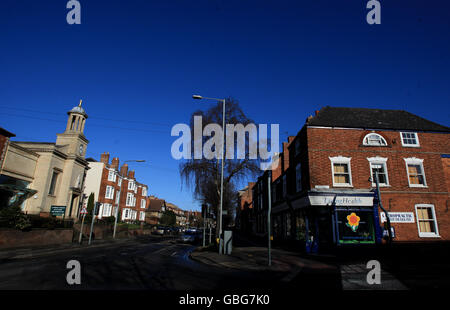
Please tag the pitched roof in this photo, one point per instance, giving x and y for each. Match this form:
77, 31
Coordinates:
155, 204
373, 119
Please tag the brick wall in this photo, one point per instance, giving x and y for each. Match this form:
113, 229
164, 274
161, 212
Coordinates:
323, 143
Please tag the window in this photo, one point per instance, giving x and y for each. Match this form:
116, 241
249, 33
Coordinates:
378, 165
109, 192
297, 146
142, 216
52, 189
106, 209
374, 139
131, 185
118, 197
130, 199
298, 177
341, 171
416, 174
111, 176
142, 203
119, 182
409, 139
144, 191
126, 213
426, 221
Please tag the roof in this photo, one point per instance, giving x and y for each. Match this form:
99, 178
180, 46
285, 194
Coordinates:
6, 133
373, 119
156, 204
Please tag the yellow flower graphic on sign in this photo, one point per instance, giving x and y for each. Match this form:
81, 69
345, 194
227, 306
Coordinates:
353, 221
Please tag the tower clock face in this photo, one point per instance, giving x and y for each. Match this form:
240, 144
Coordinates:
81, 149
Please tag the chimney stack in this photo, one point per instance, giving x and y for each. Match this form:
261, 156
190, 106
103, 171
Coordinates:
317, 112
131, 174
104, 158
124, 170
115, 163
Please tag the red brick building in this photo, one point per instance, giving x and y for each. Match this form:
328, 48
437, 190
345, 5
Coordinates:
327, 195
113, 186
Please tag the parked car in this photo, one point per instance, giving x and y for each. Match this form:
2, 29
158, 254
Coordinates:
192, 236
159, 231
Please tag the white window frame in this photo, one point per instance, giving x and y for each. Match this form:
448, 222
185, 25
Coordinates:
379, 161
107, 208
131, 185
408, 144
298, 177
427, 234
144, 191
366, 137
111, 176
119, 182
142, 203
142, 216
109, 190
129, 202
415, 161
341, 160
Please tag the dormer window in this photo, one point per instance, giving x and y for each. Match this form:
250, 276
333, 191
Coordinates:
374, 139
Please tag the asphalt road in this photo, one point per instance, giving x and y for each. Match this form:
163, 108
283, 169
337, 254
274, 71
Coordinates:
147, 263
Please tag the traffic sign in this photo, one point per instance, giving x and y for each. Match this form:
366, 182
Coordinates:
83, 211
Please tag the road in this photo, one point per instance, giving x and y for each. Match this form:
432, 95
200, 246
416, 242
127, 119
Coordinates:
148, 263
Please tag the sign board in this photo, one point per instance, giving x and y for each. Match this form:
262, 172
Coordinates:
328, 200
58, 210
398, 217
83, 211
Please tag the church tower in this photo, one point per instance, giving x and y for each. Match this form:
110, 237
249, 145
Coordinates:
72, 140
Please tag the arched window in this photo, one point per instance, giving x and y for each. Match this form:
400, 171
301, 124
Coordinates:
374, 139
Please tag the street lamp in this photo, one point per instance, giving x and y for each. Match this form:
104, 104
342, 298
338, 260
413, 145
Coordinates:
118, 196
223, 157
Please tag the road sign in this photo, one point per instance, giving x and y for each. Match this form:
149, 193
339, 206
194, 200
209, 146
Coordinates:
84, 211
58, 210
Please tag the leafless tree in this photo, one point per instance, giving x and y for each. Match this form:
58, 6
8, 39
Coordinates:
203, 175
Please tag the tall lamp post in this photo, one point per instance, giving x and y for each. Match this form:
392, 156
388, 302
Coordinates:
223, 157
118, 196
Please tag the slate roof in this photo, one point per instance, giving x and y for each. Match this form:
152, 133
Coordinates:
373, 119
156, 204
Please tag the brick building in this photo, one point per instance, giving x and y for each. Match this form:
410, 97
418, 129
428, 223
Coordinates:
325, 196
113, 186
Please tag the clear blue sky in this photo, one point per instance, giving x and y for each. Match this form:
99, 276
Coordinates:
137, 63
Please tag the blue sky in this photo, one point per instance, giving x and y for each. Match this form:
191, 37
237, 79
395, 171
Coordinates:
136, 65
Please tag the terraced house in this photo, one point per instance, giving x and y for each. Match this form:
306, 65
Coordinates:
114, 188
325, 194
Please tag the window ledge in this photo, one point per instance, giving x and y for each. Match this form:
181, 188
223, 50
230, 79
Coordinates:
342, 185
410, 145
418, 186
429, 236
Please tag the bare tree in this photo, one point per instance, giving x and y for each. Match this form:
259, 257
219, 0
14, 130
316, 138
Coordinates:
203, 175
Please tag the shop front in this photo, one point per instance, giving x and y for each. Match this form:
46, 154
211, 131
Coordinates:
322, 220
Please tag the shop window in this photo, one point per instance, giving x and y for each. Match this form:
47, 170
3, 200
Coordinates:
355, 226
374, 139
409, 139
426, 221
415, 172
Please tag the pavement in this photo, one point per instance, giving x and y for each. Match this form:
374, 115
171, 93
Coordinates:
299, 270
